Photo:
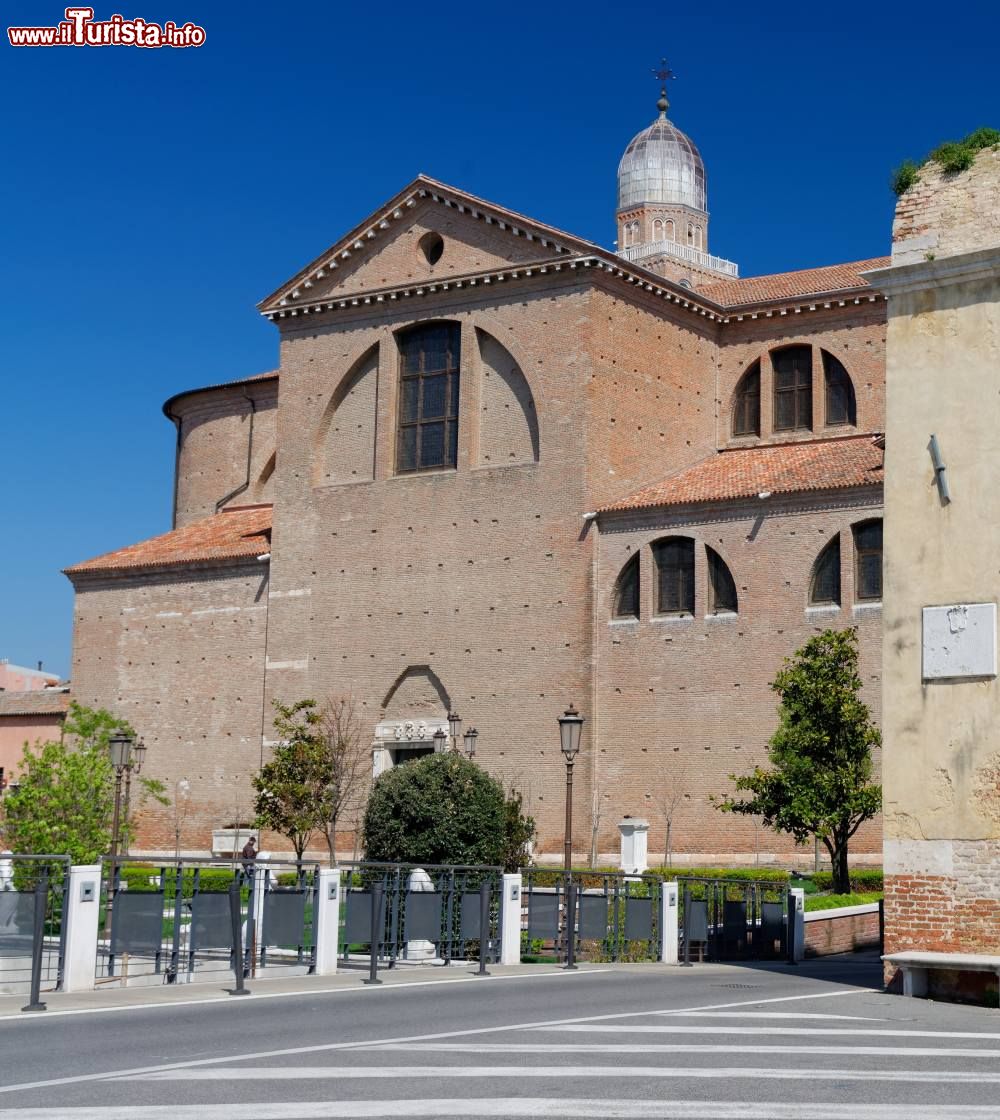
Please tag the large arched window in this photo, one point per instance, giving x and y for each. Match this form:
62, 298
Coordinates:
428, 397
746, 407
792, 388
824, 590
868, 560
721, 585
674, 558
840, 404
626, 600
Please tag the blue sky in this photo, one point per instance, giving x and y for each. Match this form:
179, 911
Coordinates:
151, 198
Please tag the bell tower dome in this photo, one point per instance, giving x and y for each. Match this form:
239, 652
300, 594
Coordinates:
662, 202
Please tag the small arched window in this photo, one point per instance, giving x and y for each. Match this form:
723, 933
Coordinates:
746, 407
626, 600
657, 229
825, 588
792, 388
428, 397
868, 560
690, 234
840, 403
721, 585
675, 575
635, 233
668, 229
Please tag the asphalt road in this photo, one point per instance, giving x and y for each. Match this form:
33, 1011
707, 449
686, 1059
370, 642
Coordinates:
710, 1042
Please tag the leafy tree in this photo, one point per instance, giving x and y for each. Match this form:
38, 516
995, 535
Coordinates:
63, 802
821, 754
290, 787
443, 808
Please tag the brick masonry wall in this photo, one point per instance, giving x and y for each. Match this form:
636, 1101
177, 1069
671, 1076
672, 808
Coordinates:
180, 655
685, 702
841, 934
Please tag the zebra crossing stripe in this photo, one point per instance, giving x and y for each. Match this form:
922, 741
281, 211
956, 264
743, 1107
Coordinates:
852, 1032
683, 1048
512, 1108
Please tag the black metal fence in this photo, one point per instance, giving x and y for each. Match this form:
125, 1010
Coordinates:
167, 922
427, 913
613, 916
726, 919
32, 889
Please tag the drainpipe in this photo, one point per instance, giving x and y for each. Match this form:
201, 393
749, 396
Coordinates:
245, 485
178, 424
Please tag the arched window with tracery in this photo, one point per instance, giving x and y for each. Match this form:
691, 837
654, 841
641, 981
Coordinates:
824, 588
841, 407
868, 560
626, 596
674, 558
746, 405
792, 388
427, 434
722, 597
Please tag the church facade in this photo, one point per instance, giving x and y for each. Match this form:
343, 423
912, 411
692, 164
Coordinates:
501, 469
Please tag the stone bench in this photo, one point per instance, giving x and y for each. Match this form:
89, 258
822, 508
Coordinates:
915, 965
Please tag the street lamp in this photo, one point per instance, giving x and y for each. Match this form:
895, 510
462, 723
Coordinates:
132, 765
120, 748
440, 739
455, 727
470, 742
570, 726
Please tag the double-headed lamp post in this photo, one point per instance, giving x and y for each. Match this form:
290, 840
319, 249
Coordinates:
570, 727
127, 756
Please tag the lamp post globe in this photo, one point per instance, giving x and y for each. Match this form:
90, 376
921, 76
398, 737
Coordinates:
440, 740
120, 749
455, 727
470, 742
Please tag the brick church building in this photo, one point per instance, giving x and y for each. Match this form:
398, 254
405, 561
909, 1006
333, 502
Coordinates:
501, 469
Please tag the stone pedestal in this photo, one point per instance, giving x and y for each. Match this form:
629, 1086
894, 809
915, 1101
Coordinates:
419, 882
634, 842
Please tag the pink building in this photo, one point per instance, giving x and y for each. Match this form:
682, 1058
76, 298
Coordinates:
32, 708
15, 678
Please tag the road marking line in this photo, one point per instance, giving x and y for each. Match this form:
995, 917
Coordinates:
443, 1073
678, 1048
327, 1047
867, 1032
510, 1108
773, 1015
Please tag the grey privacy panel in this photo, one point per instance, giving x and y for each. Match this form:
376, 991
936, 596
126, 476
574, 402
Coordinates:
470, 916
17, 922
423, 916
638, 919
284, 918
593, 919
211, 922
543, 915
137, 922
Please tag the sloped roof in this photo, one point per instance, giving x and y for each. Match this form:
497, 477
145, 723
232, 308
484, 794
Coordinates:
789, 285
271, 375
37, 702
782, 469
223, 536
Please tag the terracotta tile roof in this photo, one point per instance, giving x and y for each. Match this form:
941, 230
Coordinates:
789, 285
37, 702
783, 469
223, 536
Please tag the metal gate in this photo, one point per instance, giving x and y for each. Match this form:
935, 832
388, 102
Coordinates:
429, 914
32, 889
613, 916
727, 919
170, 922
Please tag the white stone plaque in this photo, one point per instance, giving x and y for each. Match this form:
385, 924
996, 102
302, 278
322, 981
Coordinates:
960, 641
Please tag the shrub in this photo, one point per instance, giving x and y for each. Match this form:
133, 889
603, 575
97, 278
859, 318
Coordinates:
444, 808
953, 156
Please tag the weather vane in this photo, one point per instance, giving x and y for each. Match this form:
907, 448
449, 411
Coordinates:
663, 74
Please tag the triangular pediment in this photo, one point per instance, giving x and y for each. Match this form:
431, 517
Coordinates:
429, 231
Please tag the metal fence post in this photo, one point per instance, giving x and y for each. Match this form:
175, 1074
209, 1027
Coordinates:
375, 934
686, 963
38, 941
570, 926
484, 926
235, 915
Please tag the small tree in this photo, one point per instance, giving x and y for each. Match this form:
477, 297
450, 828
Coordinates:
347, 764
666, 801
444, 808
290, 787
65, 794
821, 754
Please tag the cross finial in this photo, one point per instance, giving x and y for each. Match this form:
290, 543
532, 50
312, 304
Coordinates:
663, 74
